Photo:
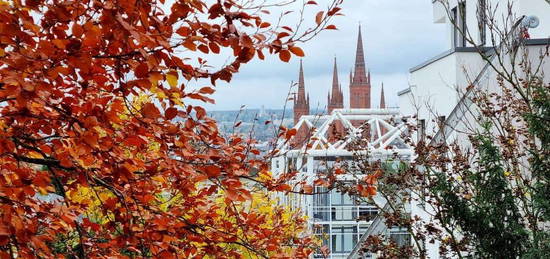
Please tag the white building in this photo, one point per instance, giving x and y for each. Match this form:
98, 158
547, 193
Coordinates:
439, 95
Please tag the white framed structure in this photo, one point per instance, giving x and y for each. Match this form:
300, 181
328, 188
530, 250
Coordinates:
333, 216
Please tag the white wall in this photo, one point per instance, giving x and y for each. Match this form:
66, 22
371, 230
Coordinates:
435, 88
538, 8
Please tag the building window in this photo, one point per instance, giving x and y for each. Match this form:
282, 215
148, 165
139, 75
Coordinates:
338, 198
400, 236
459, 25
482, 21
368, 214
321, 214
344, 238
277, 164
321, 196
344, 213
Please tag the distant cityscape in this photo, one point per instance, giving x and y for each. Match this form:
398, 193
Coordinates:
253, 122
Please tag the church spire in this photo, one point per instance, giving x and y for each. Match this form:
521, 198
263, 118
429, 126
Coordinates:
335, 97
360, 67
335, 83
301, 84
382, 98
301, 102
360, 83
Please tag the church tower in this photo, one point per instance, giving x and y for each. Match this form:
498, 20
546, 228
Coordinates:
301, 103
360, 87
335, 97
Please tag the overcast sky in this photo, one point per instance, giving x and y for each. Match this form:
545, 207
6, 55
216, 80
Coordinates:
397, 35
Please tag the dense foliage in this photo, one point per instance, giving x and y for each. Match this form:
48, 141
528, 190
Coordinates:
98, 133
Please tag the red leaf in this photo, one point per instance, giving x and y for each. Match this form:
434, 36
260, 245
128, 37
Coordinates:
170, 113
331, 27
142, 70
212, 171
204, 49
214, 47
134, 141
282, 34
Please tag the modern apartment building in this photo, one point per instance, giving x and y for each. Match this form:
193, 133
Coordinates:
441, 87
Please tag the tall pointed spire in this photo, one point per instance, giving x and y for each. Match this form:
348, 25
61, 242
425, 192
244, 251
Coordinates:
335, 97
359, 81
382, 98
360, 68
335, 83
301, 102
301, 83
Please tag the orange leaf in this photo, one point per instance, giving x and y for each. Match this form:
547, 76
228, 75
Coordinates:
200, 112
207, 90
331, 27
307, 188
284, 55
290, 133
150, 111
297, 51
319, 17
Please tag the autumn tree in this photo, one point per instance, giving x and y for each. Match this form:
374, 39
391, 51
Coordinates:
161, 179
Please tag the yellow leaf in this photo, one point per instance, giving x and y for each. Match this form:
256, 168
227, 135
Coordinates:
172, 78
34, 154
159, 178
